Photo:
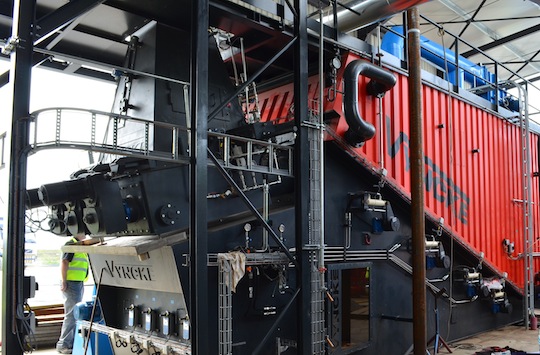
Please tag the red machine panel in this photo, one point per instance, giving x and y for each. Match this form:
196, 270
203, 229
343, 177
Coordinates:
473, 163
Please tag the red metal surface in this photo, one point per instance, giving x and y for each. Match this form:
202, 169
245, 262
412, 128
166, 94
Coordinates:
473, 170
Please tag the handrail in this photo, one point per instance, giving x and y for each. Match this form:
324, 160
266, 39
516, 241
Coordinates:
496, 84
76, 128
476, 49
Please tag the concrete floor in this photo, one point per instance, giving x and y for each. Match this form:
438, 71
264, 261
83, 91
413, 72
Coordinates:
515, 337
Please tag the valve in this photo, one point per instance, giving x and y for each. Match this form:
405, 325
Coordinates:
132, 315
508, 246
148, 319
167, 322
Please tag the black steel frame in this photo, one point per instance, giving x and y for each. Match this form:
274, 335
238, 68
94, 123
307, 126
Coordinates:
13, 274
13, 258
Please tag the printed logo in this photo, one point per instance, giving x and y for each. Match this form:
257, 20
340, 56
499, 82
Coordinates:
438, 183
129, 272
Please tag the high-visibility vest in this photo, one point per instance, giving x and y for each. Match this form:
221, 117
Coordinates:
78, 266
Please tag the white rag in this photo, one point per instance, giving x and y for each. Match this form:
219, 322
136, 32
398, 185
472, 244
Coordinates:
237, 262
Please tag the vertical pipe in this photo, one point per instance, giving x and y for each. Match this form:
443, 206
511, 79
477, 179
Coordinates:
198, 242
301, 179
528, 230
381, 118
13, 260
321, 142
417, 184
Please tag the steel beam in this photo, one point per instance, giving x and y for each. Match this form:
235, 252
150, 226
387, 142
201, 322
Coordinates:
504, 40
13, 260
301, 178
49, 24
198, 232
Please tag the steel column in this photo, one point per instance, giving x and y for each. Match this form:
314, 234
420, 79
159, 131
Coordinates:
198, 233
301, 174
417, 185
13, 260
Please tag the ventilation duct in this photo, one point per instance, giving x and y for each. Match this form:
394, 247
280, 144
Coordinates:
360, 13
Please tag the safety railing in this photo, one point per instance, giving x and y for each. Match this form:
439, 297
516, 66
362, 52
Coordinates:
98, 131
480, 79
246, 154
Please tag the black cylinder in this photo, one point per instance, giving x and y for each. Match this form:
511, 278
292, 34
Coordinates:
32, 199
61, 192
382, 81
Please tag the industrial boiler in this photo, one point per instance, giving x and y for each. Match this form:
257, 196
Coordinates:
246, 215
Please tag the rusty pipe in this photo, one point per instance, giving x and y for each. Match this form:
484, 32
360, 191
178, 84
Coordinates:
417, 184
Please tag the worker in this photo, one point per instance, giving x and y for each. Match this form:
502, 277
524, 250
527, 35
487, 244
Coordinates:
74, 271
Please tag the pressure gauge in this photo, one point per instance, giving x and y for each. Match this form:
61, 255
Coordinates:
247, 227
335, 63
281, 228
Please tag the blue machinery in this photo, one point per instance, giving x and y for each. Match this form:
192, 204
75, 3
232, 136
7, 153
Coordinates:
459, 71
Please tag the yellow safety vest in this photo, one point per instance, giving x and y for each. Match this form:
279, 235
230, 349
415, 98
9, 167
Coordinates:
78, 266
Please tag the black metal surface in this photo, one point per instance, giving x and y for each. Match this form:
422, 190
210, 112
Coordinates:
13, 252
198, 297
302, 182
252, 208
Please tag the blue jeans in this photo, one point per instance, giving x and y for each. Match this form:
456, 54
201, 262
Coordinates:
72, 295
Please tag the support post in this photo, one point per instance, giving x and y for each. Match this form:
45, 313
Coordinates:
198, 233
13, 259
301, 178
417, 184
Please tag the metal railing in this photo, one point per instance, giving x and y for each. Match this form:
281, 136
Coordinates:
490, 87
98, 131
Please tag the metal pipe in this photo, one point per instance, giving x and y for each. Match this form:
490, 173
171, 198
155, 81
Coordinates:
417, 184
321, 146
381, 116
528, 237
382, 81
265, 214
360, 13
348, 229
